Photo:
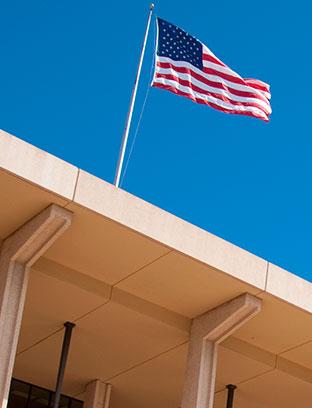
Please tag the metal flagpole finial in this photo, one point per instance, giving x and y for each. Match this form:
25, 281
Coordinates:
152, 5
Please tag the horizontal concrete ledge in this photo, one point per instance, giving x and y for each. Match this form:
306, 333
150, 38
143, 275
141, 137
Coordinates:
289, 287
74, 277
55, 175
36, 166
113, 294
265, 357
81, 189
161, 226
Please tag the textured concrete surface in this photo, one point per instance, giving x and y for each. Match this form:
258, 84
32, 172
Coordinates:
133, 277
37, 166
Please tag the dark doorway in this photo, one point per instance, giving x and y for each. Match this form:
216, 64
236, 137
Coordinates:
26, 395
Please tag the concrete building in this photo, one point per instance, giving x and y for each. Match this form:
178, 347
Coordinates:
166, 314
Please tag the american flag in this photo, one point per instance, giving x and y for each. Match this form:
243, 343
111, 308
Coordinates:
186, 67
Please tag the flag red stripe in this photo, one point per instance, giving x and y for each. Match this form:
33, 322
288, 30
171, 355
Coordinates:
206, 81
257, 84
201, 101
196, 88
210, 58
236, 80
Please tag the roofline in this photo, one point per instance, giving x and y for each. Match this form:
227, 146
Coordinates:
76, 186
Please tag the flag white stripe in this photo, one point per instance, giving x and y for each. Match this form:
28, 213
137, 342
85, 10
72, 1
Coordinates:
229, 71
267, 95
221, 68
209, 98
218, 91
214, 78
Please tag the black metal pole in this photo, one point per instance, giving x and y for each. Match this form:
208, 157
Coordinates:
231, 388
60, 375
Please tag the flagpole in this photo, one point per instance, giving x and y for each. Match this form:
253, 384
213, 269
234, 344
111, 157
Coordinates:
132, 101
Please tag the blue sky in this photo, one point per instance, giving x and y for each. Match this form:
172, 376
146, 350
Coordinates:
67, 69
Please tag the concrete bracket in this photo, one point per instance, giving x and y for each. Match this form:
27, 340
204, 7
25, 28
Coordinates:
207, 331
18, 253
97, 395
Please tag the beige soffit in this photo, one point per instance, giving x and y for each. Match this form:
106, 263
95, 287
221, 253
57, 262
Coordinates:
28, 164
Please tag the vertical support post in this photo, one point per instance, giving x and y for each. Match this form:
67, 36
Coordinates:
107, 396
133, 96
230, 398
18, 253
63, 360
208, 330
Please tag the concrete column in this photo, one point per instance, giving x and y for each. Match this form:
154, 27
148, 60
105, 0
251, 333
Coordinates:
207, 331
18, 253
97, 395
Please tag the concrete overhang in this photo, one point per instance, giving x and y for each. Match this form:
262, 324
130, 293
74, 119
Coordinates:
132, 277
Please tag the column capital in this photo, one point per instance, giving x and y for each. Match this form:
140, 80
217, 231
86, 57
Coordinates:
219, 323
97, 395
207, 331
33, 238
19, 251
